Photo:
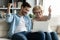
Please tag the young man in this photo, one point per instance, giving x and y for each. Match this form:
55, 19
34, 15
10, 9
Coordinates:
19, 22
21, 25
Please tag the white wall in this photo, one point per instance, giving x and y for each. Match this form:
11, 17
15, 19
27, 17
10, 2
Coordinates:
55, 7
32, 3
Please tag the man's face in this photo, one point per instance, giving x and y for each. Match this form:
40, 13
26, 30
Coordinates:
37, 13
25, 10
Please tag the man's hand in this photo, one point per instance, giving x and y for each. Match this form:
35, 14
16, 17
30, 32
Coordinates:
9, 6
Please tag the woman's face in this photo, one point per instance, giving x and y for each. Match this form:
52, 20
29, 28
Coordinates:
37, 13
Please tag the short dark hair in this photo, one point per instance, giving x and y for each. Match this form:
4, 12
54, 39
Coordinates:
26, 4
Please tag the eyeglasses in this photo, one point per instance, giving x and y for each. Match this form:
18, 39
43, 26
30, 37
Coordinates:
37, 12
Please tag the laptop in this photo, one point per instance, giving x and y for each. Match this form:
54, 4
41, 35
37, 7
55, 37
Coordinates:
40, 26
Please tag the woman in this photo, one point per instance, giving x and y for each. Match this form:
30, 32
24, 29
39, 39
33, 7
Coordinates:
38, 13
39, 17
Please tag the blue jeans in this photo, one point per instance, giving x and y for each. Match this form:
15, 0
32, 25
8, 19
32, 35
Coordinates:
54, 36
47, 36
19, 36
51, 36
35, 36
29, 36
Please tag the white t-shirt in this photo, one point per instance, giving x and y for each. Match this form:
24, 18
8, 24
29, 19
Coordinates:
21, 26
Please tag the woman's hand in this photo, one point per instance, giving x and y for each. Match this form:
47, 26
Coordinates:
49, 9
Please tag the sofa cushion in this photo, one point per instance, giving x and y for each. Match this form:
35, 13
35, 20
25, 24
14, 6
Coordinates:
58, 29
3, 28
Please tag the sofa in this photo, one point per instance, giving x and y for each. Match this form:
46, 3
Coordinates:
4, 29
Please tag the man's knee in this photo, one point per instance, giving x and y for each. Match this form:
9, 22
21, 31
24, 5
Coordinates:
19, 37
